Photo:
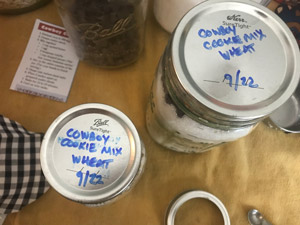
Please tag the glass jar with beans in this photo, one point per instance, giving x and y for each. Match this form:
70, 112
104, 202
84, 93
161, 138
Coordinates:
106, 33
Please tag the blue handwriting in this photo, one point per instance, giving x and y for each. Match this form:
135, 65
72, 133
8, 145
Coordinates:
91, 162
234, 39
111, 151
82, 145
245, 81
85, 140
86, 135
227, 55
94, 178
256, 35
221, 30
221, 42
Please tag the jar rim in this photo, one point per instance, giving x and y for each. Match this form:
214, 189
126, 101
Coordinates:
246, 108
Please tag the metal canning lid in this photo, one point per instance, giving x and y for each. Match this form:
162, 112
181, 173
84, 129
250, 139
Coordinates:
186, 196
91, 153
237, 58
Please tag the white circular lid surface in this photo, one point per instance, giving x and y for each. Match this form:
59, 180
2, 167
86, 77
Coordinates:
237, 58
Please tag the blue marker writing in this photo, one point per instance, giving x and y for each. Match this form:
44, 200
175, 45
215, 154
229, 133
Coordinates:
91, 162
111, 151
227, 55
83, 178
86, 135
67, 142
245, 81
256, 35
221, 42
220, 31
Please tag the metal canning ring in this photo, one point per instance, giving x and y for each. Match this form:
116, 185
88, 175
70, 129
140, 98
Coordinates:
184, 197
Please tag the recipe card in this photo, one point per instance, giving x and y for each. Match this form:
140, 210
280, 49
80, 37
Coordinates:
48, 64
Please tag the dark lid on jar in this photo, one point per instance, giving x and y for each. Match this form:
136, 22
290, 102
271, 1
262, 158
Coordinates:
91, 153
237, 58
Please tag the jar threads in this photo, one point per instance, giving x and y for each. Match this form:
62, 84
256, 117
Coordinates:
224, 70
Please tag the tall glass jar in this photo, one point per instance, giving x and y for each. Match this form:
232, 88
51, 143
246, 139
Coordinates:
107, 33
227, 66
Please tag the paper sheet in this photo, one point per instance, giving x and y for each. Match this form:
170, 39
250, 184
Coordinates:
48, 64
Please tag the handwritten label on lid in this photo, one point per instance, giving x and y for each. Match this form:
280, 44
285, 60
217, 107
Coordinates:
91, 151
234, 58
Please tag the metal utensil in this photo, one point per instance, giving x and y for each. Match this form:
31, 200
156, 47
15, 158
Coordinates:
256, 218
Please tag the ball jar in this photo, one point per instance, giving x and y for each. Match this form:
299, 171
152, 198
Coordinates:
106, 33
227, 66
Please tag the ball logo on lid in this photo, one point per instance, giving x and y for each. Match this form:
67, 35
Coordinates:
94, 153
100, 122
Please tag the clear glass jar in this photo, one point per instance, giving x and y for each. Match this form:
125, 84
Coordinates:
107, 33
173, 126
20, 6
201, 97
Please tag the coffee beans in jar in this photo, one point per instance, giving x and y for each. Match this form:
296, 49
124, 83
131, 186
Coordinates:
107, 33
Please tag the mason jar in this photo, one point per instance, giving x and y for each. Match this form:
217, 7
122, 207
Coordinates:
227, 66
20, 6
92, 154
106, 33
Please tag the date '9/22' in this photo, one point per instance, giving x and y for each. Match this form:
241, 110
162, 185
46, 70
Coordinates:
244, 81
92, 177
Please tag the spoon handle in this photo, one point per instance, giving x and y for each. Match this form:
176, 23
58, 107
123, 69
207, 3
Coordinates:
264, 222
256, 218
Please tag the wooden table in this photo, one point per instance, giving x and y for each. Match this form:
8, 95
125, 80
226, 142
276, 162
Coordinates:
259, 171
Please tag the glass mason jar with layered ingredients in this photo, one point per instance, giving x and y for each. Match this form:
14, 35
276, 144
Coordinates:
227, 66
